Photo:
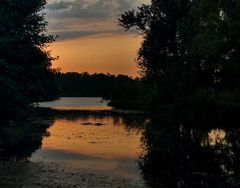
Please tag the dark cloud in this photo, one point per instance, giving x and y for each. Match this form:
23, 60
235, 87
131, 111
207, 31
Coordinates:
65, 35
58, 5
84, 15
91, 8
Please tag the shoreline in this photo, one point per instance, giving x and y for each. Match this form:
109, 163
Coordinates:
28, 174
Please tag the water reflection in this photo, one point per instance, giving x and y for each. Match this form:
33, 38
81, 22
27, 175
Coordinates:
18, 141
101, 141
77, 103
168, 152
181, 156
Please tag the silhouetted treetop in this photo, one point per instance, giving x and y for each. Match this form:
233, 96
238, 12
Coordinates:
73, 84
25, 63
190, 49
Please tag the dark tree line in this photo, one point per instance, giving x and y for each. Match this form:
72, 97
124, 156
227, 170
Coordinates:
73, 84
189, 56
190, 52
25, 72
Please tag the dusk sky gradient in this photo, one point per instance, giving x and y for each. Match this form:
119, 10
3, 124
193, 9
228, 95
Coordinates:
90, 39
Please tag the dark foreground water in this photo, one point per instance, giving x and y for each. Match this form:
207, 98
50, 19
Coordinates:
148, 151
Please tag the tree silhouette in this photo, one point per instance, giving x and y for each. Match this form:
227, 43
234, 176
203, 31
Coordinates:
24, 61
190, 50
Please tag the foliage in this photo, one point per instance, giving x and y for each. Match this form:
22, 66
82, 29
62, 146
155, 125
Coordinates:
24, 61
188, 46
74, 84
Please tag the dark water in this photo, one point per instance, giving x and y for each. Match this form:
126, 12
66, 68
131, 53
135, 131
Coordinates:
152, 150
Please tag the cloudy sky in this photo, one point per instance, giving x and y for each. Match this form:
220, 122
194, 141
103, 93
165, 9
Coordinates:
89, 37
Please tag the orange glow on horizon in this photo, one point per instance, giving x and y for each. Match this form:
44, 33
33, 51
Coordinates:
114, 54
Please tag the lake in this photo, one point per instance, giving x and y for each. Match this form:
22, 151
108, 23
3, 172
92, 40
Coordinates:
90, 146
101, 143
77, 103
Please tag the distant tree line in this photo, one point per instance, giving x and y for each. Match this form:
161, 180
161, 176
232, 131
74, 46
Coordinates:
73, 84
190, 54
189, 57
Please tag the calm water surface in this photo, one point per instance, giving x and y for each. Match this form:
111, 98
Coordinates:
102, 143
77, 103
154, 151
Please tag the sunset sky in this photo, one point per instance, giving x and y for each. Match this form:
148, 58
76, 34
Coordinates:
90, 39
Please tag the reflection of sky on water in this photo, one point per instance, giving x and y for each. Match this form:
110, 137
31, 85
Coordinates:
161, 151
77, 103
109, 147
